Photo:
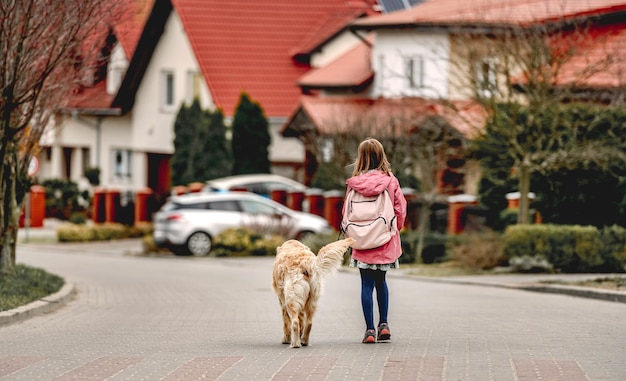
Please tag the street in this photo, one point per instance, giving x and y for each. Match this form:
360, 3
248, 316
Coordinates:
183, 318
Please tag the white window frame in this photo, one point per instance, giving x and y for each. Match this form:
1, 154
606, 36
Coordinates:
414, 71
194, 82
122, 163
168, 93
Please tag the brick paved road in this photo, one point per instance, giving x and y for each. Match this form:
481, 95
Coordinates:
170, 318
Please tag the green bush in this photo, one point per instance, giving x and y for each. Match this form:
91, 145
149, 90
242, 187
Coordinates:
78, 218
69, 232
435, 247
243, 241
569, 248
63, 198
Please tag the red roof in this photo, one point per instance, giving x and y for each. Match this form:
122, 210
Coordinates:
247, 45
136, 13
127, 27
349, 70
598, 61
523, 12
381, 116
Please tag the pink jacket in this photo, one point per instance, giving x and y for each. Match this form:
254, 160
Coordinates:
370, 184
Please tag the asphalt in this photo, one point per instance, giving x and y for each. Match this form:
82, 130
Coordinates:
530, 282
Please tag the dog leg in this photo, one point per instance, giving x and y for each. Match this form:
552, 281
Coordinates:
306, 332
286, 327
295, 326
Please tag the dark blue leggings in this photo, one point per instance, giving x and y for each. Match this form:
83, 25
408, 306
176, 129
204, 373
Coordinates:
371, 279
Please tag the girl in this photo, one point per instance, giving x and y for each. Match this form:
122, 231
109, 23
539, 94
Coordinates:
371, 176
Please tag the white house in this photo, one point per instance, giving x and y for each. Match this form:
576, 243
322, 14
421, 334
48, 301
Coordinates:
171, 51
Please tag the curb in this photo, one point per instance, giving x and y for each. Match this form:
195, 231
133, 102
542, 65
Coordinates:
39, 307
583, 292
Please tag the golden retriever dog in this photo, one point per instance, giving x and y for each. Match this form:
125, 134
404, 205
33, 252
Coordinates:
297, 279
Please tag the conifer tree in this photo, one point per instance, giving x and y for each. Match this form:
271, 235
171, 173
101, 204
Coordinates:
215, 159
251, 138
183, 136
201, 151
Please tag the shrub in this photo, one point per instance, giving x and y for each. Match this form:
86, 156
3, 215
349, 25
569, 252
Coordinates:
569, 248
69, 232
78, 218
434, 251
266, 245
478, 251
233, 241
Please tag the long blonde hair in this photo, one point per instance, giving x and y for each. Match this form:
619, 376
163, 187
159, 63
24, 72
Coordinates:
371, 155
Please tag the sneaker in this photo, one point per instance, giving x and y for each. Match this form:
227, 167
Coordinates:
370, 336
384, 333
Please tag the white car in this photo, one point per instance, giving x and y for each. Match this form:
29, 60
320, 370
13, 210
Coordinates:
189, 223
262, 183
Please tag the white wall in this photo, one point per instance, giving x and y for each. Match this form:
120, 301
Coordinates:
153, 125
334, 49
389, 55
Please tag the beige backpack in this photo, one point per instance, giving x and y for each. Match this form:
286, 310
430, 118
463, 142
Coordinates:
371, 221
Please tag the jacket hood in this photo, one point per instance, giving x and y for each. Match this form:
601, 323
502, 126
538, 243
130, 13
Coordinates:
369, 183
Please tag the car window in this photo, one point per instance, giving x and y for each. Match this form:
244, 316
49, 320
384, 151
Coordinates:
228, 205
255, 207
260, 188
193, 205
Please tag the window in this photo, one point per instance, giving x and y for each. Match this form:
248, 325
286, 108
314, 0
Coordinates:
415, 71
114, 79
121, 164
327, 149
486, 79
168, 90
254, 207
194, 79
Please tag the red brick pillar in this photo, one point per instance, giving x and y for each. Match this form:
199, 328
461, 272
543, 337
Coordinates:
112, 205
456, 204
97, 211
315, 201
295, 200
333, 203
279, 195
412, 215
142, 198
36, 207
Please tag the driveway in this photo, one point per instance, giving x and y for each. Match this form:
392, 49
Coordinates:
166, 318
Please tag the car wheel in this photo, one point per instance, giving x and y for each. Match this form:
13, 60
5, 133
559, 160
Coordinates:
199, 244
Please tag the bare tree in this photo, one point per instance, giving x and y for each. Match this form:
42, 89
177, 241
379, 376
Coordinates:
521, 75
47, 47
418, 141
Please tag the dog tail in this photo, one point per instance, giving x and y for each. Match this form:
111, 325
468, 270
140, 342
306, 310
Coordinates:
330, 257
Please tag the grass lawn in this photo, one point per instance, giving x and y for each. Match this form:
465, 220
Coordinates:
27, 285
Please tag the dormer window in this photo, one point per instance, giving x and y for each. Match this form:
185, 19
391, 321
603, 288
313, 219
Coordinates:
415, 71
116, 70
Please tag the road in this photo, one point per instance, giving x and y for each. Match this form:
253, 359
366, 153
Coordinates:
181, 318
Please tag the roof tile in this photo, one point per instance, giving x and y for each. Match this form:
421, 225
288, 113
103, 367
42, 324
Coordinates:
246, 45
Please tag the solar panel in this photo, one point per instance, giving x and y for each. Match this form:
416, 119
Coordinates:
397, 5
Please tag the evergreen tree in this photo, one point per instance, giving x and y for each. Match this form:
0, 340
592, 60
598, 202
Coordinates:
201, 151
214, 157
251, 138
183, 137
